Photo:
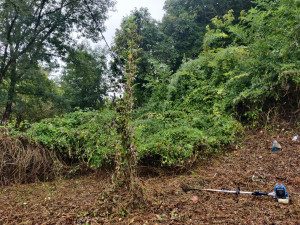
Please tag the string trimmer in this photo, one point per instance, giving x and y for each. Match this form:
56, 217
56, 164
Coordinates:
279, 192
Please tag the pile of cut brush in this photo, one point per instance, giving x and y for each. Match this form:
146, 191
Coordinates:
23, 162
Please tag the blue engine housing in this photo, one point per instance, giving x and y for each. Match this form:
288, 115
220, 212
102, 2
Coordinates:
280, 192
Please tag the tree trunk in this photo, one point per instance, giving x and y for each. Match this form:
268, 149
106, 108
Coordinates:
1, 78
10, 97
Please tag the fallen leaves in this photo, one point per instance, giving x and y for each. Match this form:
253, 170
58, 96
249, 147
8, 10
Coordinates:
79, 201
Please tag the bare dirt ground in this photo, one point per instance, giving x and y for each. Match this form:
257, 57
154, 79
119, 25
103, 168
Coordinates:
252, 165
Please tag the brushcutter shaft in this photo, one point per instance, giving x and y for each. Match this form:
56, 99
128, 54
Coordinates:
226, 191
256, 193
279, 192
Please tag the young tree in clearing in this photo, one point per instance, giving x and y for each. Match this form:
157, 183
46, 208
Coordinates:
83, 79
126, 163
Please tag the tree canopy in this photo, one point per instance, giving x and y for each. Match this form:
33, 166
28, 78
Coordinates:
29, 26
83, 79
33, 33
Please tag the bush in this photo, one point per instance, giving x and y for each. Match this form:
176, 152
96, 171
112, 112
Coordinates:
79, 136
176, 138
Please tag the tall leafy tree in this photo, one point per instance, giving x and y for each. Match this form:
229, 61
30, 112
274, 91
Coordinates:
32, 98
28, 25
37, 97
34, 31
83, 80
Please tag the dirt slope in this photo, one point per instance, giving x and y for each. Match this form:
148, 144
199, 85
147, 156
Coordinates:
253, 166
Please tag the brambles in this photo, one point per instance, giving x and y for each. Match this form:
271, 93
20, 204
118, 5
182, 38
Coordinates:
79, 136
249, 77
22, 162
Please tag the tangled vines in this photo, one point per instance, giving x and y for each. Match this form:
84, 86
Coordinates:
22, 162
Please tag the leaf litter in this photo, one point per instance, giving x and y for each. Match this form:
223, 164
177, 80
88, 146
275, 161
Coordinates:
251, 165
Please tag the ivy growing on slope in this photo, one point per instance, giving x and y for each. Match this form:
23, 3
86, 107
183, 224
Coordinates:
245, 70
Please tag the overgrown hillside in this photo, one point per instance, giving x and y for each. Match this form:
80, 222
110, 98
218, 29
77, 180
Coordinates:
198, 99
247, 73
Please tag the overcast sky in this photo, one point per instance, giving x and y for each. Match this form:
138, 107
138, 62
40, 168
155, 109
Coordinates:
123, 9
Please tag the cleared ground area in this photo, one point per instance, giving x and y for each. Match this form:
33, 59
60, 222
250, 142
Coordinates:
251, 165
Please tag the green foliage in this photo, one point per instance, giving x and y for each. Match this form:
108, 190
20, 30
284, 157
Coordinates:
29, 27
248, 67
179, 36
149, 49
245, 69
78, 136
157, 81
35, 33
185, 22
176, 138
192, 119
33, 97
172, 138
83, 79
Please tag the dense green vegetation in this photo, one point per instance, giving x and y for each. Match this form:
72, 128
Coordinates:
185, 23
32, 35
82, 81
201, 75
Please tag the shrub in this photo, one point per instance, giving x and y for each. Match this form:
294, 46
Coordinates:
79, 136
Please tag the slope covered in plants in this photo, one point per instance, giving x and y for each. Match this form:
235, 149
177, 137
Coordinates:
247, 73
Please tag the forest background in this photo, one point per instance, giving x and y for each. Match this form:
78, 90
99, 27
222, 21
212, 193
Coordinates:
203, 74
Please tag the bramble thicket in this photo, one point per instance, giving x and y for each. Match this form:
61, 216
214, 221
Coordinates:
201, 77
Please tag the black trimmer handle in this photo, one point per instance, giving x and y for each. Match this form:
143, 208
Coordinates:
186, 188
258, 193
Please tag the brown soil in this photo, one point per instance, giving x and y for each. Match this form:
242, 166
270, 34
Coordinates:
253, 166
